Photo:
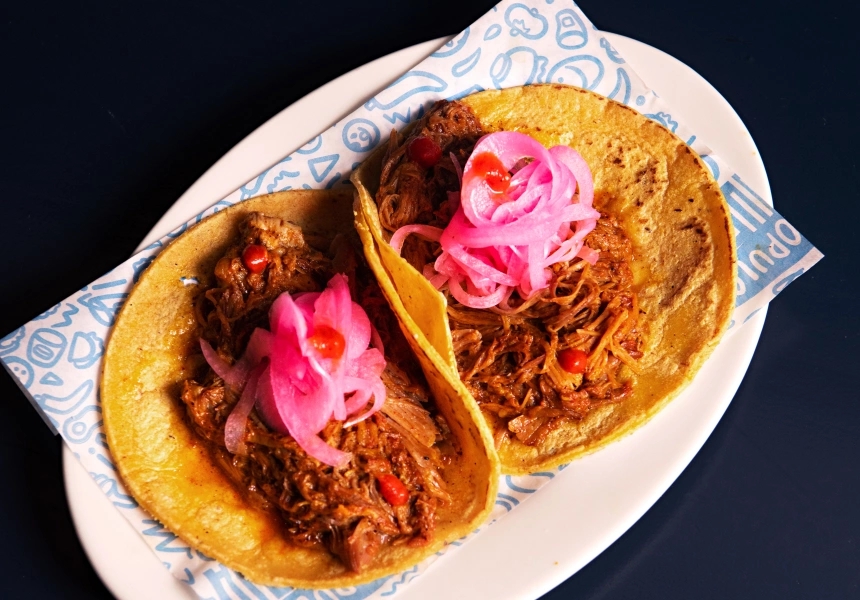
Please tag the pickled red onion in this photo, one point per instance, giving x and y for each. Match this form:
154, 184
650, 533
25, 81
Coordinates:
426, 231
498, 243
235, 376
300, 390
234, 429
218, 364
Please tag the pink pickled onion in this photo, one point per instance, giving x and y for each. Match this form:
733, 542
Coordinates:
218, 364
375, 340
234, 429
236, 375
297, 390
425, 231
588, 255
497, 243
302, 390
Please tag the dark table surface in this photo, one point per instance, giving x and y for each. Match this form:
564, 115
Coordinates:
110, 111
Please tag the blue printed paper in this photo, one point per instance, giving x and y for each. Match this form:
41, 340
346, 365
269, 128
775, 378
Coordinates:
56, 357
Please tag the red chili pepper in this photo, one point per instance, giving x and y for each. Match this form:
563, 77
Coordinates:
573, 360
328, 341
393, 490
490, 168
424, 151
255, 258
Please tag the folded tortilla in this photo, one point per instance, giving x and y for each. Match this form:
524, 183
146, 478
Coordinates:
153, 348
669, 207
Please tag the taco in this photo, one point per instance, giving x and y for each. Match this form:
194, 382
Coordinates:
261, 402
570, 259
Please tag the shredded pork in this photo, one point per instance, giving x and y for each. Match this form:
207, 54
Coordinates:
508, 359
339, 509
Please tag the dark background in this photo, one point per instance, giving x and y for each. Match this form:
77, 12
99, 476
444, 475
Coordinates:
110, 111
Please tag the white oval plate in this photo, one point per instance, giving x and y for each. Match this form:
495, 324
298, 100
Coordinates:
585, 508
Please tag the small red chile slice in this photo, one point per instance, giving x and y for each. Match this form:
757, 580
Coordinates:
573, 360
255, 258
393, 490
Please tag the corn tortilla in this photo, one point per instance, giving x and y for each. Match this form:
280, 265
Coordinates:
153, 348
670, 208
